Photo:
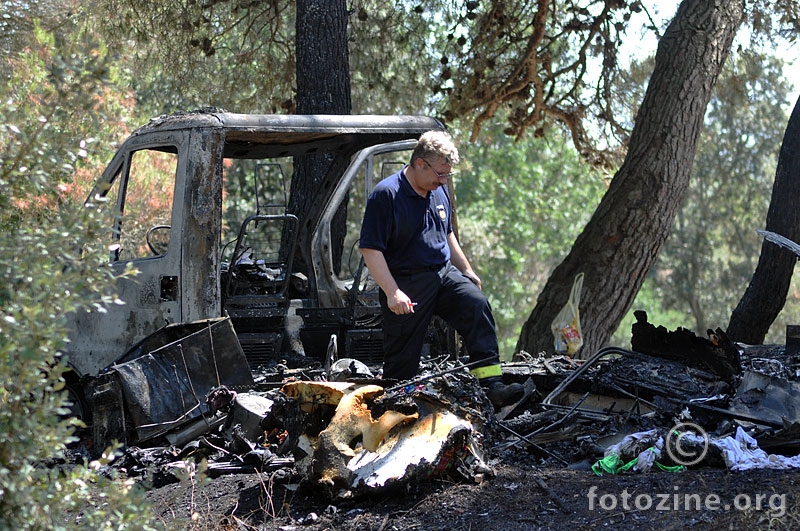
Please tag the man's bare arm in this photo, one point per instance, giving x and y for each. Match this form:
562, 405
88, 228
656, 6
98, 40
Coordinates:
397, 300
459, 259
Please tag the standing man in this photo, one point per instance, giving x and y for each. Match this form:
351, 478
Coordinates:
412, 253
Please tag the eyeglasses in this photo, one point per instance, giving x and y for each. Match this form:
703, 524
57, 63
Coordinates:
440, 175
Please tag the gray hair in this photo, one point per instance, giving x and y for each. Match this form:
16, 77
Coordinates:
436, 144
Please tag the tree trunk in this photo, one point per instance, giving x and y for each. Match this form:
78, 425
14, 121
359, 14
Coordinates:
765, 296
620, 243
323, 87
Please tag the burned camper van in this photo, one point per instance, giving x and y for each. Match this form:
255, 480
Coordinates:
217, 239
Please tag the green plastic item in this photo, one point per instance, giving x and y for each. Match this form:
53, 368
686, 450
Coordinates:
612, 464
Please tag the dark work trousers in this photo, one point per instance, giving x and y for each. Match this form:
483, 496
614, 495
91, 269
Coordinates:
448, 294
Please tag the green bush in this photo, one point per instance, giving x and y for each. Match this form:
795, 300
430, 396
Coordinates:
58, 92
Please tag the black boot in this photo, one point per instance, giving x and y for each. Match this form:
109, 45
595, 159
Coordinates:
501, 394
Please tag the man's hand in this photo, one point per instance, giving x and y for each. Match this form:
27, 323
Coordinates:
399, 303
470, 274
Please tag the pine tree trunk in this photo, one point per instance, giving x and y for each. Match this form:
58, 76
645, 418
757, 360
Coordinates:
766, 294
620, 243
323, 87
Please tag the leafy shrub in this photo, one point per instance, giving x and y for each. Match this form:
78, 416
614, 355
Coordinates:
57, 92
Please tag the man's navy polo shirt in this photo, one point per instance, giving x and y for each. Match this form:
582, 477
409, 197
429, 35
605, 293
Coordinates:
411, 231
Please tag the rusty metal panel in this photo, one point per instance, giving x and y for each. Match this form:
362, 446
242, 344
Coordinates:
200, 229
151, 297
166, 377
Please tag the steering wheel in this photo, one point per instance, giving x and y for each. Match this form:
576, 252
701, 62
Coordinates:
150, 231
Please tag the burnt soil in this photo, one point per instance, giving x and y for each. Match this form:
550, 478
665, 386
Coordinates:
524, 492
547, 485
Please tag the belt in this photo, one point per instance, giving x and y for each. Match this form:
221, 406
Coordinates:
416, 270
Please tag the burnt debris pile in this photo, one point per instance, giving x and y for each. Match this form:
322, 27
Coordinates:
673, 401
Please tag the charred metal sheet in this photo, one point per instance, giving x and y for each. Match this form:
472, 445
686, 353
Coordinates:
166, 377
108, 410
768, 397
781, 241
303, 133
202, 208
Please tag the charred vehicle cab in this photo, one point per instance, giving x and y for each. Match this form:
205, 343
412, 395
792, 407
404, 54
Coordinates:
201, 212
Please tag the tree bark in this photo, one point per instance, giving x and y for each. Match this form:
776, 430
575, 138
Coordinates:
620, 243
766, 294
323, 87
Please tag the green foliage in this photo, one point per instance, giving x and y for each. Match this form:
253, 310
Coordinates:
227, 54
61, 88
241, 56
520, 206
397, 53
713, 247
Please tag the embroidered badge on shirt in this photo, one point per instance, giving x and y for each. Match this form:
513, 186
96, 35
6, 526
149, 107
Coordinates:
442, 213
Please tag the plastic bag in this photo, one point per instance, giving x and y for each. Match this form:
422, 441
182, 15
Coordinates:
566, 327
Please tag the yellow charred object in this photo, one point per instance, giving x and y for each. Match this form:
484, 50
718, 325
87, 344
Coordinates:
352, 418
